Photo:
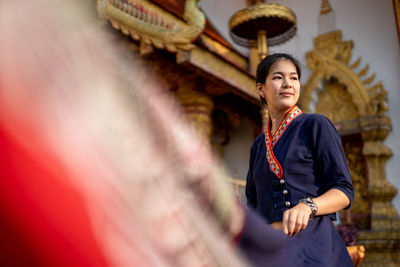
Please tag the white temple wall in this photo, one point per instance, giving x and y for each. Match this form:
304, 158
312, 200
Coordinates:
237, 152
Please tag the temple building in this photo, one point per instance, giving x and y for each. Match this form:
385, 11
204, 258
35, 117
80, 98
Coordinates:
205, 53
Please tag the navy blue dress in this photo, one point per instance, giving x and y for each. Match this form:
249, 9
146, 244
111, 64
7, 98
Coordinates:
304, 159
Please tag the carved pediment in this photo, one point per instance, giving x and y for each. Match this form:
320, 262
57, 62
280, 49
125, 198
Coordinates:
330, 60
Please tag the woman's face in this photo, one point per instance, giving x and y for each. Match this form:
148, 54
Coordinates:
282, 86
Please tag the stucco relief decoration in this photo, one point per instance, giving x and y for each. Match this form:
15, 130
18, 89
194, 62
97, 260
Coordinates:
331, 58
152, 25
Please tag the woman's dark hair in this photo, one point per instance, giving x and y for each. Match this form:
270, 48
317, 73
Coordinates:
265, 65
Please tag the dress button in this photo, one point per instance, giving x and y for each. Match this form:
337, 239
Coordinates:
282, 181
284, 192
287, 203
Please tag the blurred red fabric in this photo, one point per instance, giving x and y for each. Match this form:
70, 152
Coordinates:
43, 220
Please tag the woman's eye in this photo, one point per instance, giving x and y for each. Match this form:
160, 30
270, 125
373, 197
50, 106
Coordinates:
276, 78
294, 78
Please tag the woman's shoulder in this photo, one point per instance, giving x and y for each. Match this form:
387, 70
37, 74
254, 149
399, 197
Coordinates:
318, 124
257, 145
259, 139
316, 120
314, 117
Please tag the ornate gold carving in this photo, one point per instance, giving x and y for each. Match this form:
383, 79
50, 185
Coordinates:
336, 103
325, 7
286, 18
330, 58
226, 53
364, 71
356, 63
261, 10
147, 22
359, 212
381, 248
220, 69
384, 222
197, 106
253, 2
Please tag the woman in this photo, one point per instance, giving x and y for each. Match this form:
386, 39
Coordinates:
298, 176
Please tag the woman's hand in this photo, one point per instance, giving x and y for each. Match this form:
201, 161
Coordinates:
296, 219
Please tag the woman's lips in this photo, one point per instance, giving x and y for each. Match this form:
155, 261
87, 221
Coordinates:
286, 94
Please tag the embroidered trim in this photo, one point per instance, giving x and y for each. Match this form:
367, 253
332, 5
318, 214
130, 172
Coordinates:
274, 164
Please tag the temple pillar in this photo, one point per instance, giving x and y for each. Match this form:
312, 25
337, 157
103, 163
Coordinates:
254, 59
198, 106
382, 241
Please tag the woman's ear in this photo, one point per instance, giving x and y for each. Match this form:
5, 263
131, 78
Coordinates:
260, 89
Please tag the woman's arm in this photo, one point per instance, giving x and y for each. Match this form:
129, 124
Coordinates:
334, 179
331, 201
296, 218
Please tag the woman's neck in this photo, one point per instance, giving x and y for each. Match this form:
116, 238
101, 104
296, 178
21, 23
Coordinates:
276, 119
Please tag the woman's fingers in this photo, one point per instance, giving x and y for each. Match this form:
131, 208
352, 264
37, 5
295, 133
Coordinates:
298, 224
285, 222
305, 221
293, 223
295, 219
289, 222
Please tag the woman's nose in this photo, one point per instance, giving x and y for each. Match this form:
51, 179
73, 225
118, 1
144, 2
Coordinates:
286, 83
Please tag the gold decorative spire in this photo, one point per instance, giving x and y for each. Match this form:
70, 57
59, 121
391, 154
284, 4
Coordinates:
253, 2
327, 18
325, 7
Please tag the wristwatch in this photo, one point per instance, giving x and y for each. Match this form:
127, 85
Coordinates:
309, 202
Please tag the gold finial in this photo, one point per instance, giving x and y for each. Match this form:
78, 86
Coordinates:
253, 2
325, 7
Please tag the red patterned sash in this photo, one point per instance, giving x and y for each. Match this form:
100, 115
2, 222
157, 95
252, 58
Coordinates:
270, 142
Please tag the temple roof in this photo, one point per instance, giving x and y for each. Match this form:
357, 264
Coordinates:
177, 7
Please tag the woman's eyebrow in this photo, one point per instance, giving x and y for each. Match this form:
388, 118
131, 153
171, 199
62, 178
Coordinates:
281, 73
277, 72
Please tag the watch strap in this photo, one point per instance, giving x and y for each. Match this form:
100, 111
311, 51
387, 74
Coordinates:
310, 202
